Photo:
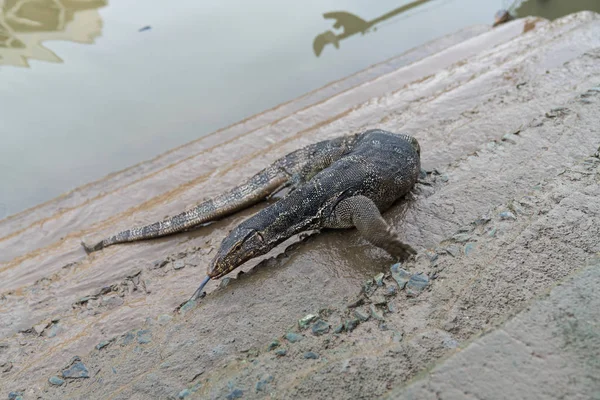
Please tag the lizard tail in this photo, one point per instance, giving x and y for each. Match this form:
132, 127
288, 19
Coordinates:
251, 192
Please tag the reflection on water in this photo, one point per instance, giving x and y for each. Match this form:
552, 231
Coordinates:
24, 24
552, 9
352, 24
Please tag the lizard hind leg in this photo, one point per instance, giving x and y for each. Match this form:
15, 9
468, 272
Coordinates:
362, 213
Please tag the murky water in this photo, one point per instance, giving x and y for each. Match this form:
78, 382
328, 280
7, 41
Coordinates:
89, 87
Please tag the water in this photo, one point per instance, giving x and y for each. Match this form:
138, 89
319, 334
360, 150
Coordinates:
88, 88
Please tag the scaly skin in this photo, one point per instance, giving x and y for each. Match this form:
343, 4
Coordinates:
379, 168
291, 170
340, 183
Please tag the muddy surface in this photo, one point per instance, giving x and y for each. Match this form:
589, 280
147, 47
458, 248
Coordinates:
507, 122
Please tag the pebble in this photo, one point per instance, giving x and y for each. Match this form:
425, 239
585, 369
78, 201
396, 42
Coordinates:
392, 307
224, 282
351, 324
339, 328
462, 237
397, 337
187, 306
401, 276
179, 264
102, 344
361, 315
375, 313
76, 371
15, 396
379, 279
184, 393
483, 220
454, 251
507, 215
144, 336
281, 352
273, 345
417, 284
432, 255
164, 319
368, 286
391, 290
320, 327
235, 394
55, 380
469, 247
378, 299
262, 384
444, 177
306, 320
54, 330
293, 337
129, 336
309, 355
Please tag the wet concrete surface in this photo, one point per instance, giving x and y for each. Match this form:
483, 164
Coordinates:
497, 122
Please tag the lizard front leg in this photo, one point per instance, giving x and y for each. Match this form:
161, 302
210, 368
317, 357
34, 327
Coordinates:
362, 213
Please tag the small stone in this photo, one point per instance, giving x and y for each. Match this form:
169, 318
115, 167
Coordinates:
444, 177
505, 215
76, 370
482, 221
422, 174
392, 307
306, 320
273, 345
432, 255
351, 324
462, 237
187, 306
361, 315
375, 313
383, 326
309, 355
144, 336
261, 385
54, 330
450, 343
401, 276
368, 286
111, 301
378, 299
359, 301
184, 393
469, 247
128, 338
293, 337
281, 352
102, 344
235, 394
15, 396
224, 282
492, 232
453, 250
179, 264
397, 337
391, 290
416, 284
164, 319
55, 380
6, 367
339, 328
40, 328
379, 279
320, 327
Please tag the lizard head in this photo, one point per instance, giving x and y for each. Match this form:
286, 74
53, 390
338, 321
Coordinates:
239, 246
